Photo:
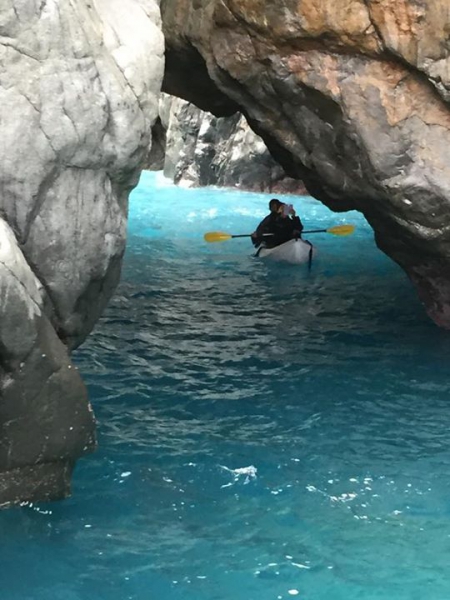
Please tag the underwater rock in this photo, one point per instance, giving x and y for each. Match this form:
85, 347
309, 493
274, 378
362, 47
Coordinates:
79, 92
350, 97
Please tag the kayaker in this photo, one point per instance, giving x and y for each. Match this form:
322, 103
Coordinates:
282, 223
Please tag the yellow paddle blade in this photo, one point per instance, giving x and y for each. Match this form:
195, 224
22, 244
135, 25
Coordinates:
217, 236
341, 230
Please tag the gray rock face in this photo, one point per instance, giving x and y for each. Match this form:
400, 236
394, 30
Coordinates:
350, 96
79, 92
201, 150
45, 417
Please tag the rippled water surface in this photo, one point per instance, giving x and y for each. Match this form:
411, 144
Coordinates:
265, 432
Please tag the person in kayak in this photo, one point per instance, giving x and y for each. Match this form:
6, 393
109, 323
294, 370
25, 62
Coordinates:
282, 225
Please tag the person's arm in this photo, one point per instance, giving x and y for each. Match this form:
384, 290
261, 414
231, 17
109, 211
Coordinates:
298, 225
257, 236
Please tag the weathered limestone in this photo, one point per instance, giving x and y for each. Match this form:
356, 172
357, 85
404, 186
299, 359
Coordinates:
351, 97
201, 149
79, 92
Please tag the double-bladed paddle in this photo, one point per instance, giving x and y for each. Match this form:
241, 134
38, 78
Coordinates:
220, 236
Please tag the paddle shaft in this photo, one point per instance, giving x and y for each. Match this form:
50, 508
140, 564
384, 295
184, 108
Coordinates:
249, 235
219, 236
266, 234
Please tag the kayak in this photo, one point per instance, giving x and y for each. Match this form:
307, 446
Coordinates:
295, 252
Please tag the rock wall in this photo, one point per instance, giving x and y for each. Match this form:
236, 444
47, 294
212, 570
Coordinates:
202, 150
351, 96
79, 91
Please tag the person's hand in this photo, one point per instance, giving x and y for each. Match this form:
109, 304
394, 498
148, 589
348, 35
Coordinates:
296, 234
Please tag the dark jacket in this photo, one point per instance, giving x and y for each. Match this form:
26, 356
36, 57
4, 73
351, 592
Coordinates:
282, 229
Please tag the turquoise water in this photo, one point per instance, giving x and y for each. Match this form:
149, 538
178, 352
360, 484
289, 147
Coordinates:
265, 432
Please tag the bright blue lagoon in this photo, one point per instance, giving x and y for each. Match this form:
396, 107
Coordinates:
265, 433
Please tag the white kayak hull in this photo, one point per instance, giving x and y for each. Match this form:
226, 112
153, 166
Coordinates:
295, 252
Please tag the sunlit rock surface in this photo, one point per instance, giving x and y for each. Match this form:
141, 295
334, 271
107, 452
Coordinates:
79, 91
351, 97
201, 149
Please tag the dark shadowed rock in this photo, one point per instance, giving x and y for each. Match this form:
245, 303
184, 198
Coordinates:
45, 417
202, 150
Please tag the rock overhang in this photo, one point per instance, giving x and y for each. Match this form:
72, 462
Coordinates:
352, 97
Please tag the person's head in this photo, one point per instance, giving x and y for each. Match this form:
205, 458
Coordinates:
275, 205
